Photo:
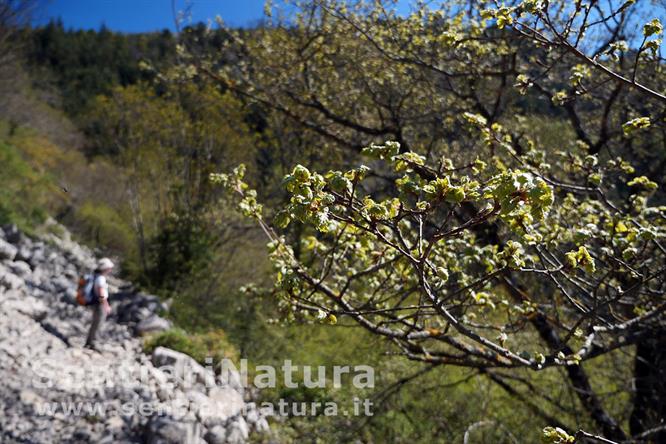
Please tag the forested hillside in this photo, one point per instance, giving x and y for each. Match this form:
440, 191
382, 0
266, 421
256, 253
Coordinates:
468, 198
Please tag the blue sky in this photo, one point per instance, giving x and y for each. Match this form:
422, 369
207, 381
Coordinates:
144, 15
154, 15
151, 15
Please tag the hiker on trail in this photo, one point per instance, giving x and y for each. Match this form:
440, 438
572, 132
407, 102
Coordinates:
100, 299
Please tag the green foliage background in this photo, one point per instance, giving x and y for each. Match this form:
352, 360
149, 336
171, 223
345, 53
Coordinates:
128, 172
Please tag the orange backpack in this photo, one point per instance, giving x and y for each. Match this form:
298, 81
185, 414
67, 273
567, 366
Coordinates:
84, 291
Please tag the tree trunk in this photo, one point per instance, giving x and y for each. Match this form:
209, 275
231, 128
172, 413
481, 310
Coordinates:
649, 410
580, 382
576, 373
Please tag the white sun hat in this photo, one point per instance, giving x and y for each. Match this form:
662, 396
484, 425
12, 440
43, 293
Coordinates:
104, 264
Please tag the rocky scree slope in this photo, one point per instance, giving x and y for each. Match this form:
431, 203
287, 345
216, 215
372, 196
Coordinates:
54, 390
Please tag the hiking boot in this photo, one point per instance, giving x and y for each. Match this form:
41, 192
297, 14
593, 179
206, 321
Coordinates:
92, 347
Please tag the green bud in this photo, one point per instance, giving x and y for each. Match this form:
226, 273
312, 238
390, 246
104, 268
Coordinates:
301, 173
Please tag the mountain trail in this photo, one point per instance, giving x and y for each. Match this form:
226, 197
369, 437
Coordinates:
55, 391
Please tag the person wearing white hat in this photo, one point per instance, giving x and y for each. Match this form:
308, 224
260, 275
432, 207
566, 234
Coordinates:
101, 307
